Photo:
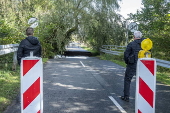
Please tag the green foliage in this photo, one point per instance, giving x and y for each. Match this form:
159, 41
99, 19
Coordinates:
45, 60
9, 87
47, 50
118, 59
6, 61
5, 29
163, 75
7, 34
154, 22
58, 20
103, 27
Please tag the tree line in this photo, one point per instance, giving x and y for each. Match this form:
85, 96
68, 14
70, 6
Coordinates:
154, 22
95, 22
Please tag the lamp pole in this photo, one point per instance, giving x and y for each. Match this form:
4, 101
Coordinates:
126, 26
127, 32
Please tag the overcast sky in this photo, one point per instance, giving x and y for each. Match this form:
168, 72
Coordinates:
129, 6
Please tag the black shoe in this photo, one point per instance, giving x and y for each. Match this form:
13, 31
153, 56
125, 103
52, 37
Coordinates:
125, 98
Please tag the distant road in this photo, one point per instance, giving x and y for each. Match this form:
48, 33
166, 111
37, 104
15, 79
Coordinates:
76, 51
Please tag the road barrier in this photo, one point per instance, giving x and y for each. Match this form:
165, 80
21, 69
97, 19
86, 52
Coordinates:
5, 49
112, 49
145, 85
31, 85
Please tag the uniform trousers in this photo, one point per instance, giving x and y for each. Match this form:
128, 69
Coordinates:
129, 73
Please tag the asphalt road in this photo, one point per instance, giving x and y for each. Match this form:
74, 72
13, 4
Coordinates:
89, 85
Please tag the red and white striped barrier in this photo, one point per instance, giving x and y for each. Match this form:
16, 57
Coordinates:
145, 86
31, 85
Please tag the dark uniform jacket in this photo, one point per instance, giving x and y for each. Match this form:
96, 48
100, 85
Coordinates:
133, 48
27, 45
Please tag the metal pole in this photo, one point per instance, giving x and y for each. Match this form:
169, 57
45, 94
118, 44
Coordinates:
126, 37
126, 33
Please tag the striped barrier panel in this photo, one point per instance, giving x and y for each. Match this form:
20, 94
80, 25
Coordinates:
145, 85
31, 85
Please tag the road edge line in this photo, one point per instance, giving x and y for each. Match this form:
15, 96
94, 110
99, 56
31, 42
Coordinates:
82, 64
116, 103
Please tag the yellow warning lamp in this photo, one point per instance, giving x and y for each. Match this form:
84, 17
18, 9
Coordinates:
145, 45
144, 54
168, 15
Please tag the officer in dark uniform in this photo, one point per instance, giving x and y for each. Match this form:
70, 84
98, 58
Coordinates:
132, 48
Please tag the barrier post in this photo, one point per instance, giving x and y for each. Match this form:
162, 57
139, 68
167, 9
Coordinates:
145, 85
31, 85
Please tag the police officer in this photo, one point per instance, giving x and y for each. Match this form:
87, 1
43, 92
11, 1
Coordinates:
131, 51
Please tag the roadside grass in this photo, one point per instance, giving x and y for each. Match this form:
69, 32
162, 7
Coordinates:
9, 86
9, 82
44, 60
114, 58
163, 75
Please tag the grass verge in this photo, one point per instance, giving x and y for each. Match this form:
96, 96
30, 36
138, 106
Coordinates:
163, 75
9, 86
45, 60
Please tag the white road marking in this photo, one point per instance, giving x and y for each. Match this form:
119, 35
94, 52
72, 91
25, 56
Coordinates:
116, 103
82, 64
